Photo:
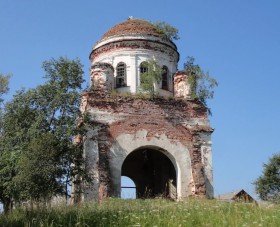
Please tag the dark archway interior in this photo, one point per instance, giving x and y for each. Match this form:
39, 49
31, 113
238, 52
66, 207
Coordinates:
153, 173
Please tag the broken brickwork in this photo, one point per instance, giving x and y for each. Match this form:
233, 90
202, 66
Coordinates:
179, 121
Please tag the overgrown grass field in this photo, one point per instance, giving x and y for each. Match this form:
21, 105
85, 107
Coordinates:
159, 212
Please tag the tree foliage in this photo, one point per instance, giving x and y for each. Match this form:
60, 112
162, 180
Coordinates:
40, 169
167, 30
4, 88
151, 77
4, 85
267, 186
201, 84
37, 152
5, 170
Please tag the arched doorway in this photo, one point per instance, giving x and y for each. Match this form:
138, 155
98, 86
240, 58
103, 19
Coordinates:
152, 172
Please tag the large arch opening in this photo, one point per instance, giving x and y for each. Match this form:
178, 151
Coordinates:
152, 172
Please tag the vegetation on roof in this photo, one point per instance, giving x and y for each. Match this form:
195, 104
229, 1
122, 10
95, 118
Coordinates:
142, 26
167, 30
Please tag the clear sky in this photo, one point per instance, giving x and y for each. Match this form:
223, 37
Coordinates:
238, 42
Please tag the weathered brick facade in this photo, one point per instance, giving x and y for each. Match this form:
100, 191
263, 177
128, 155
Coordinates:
162, 144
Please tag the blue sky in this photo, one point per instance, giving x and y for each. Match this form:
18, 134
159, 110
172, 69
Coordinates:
238, 42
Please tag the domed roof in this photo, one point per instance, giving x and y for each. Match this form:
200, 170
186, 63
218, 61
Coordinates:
142, 31
132, 26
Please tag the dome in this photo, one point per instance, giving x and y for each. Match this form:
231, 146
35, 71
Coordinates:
132, 26
134, 29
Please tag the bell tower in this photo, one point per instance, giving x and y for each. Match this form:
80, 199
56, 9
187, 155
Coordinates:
162, 144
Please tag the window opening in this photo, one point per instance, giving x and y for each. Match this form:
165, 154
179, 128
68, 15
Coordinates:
164, 76
143, 67
121, 75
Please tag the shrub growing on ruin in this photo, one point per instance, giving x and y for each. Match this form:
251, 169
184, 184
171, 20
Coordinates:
202, 84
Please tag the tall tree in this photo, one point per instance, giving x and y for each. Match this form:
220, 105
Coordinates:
19, 129
39, 126
267, 186
4, 88
201, 83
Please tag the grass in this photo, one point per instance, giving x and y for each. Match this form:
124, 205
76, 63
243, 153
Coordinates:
116, 212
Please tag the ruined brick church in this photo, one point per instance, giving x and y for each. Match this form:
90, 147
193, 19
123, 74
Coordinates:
163, 144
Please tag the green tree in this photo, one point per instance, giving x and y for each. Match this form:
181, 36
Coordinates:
13, 139
65, 79
167, 30
151, 77
267, 186
40, 169
4, 88
38, 131
202, 84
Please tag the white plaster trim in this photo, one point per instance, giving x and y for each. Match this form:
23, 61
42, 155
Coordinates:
133, 37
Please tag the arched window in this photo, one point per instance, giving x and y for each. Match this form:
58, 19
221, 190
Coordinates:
121, 75
143, 67
164, 76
